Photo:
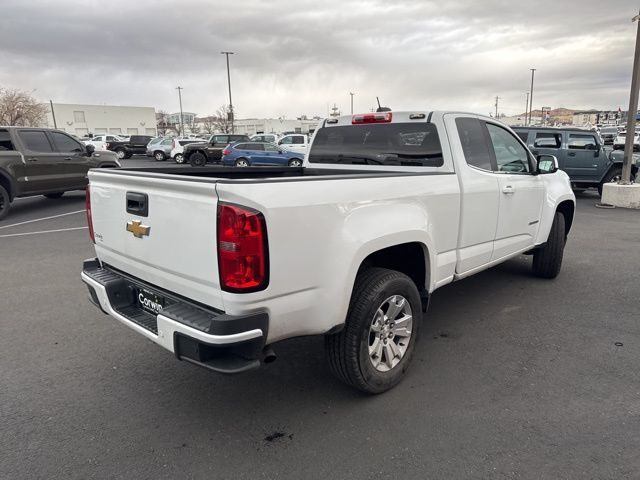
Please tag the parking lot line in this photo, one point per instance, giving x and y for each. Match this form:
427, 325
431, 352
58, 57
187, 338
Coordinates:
40, 219
43, 231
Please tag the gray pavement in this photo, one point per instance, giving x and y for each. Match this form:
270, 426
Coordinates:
513, 377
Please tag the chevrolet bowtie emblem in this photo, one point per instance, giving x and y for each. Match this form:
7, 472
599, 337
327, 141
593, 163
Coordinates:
138, 230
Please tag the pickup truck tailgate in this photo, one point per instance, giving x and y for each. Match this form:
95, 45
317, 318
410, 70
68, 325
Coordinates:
175, 245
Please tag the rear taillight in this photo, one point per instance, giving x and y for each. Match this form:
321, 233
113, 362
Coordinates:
173, 144
372, 118
242, 249
226, 151
89, 217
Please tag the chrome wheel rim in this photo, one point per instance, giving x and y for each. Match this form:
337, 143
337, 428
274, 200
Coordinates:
159, 156
390, 333
241, 163
296, 163
120, 154
179, 158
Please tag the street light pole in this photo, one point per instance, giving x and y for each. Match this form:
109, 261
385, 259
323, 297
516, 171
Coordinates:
181, 120
533, 71
352, 94
633, 110
497, 98
526, 109
229, 82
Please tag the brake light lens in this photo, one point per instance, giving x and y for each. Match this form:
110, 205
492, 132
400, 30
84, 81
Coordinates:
226, 151
89, 217
372, 118
242, 249
173, 144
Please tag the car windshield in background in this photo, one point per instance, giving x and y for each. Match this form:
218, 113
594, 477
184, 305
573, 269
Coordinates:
402, 144
609, 130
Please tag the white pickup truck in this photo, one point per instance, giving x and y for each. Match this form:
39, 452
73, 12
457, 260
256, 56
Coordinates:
387, 208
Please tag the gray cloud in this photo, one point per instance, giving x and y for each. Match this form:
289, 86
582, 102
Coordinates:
296, 57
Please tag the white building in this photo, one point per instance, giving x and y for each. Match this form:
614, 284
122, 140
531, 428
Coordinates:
96, 119
187, 118
251, 126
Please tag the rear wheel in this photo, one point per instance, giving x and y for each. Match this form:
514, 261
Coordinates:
179, 158
5, 202
120, 153
197, 159
547, 260
159, 156
54, 195
295, 162
373, 351
242, 162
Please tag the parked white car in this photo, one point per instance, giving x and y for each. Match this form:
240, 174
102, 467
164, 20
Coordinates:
387, 208
177, 152
621, 138
295, 142
265, 138
99, 141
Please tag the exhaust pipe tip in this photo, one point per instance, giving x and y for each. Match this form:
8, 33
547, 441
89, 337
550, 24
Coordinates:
268, 355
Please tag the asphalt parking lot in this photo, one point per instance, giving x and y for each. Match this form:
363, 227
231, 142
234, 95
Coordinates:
514, 377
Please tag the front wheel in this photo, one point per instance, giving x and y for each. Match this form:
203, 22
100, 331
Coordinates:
179, 158
242, 162
5, 202
295, 162
373, 351
547, 260
120, 153
159, 156
197, 159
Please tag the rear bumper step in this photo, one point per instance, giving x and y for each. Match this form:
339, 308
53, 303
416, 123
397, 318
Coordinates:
194, 333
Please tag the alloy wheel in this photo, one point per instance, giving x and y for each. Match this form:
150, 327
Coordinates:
390, 333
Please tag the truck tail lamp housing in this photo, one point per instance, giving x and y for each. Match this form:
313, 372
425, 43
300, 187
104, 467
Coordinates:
226, 151
383, 117
243, 250
89, 216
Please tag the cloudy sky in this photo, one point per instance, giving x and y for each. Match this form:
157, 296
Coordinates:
298, 57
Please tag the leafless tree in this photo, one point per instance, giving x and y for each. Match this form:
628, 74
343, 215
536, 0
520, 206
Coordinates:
222, 122
209, 124
194, 127
21, 108
162, 123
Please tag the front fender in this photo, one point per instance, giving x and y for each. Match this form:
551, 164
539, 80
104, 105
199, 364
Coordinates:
557, 190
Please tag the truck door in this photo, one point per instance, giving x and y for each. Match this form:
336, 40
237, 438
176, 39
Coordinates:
479, 191
521, 192
585, 159
294, 143
45, 171
73, 156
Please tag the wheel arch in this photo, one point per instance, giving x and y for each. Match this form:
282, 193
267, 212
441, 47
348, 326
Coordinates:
567, 208
8, 183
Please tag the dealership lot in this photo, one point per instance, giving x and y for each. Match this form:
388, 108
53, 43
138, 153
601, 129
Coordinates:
513, 377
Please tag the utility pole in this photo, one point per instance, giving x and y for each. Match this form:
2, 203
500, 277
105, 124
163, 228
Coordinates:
526, 109
497, 98
352, 94
181, 121
633, 110
53, 114
533, 71
229, 82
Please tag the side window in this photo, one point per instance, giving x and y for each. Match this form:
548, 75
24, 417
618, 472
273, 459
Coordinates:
35, 140
298, 140
220, 139
110, 138
270, 147
256, 146
241, 146
548, 140
286, 140
582, 142
64, 143
523, 135
474, 145
167, 141
5, 141
511, 156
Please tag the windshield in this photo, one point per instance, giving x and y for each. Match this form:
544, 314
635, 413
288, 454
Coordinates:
403, 144
609, 130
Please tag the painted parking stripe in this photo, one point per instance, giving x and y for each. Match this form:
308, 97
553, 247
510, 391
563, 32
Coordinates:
43, 231
40, 219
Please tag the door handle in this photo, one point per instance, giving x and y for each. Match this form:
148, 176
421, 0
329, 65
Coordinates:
508, 190
32, 159
67, 158
572, 154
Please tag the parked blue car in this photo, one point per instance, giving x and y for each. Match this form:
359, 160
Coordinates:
244, 154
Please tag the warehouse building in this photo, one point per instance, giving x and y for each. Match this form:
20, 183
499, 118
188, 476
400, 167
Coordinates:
81, 120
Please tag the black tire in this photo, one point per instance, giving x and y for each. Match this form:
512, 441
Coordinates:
295, 162
242, 163
613, 175
159, 156
547, 260
198, 159
347, 351
128, 155
5, 202
120, 153
54, 195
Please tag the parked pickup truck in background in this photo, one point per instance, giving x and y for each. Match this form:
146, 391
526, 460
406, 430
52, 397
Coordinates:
198, 154
295, 142
579, 153
387, 208
42, 161
136, 145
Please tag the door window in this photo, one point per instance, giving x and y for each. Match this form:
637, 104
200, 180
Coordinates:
269, 147
5, 141
36, 141
511, 155
286, 140
167, 141
299, 140
474, 145
66, 144
548, 140
582, 142
256, 146
220, 139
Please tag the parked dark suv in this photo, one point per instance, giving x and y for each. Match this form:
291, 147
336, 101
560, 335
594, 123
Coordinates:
136, 145
579, 153
42, 161
198, 154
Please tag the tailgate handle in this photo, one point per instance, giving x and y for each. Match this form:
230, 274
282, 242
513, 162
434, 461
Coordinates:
138, 203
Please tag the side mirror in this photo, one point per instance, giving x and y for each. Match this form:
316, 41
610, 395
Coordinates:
547, 164
90, 149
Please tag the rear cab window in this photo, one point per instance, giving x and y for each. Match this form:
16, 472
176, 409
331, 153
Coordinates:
5, 141
35, 141
547, 140
400, 144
